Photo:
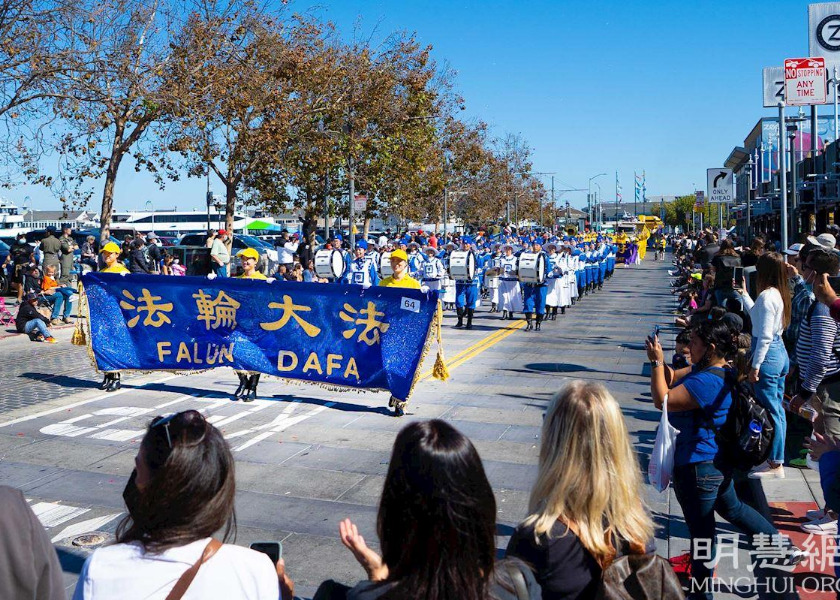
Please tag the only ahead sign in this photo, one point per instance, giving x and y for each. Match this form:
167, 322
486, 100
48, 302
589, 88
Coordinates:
720, 185
805, 81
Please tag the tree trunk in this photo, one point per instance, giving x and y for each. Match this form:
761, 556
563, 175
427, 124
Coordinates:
367, 227
107, 209
230, 206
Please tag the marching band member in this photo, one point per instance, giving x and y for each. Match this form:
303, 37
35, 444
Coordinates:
535, 296
449, 292
570, 277
400, 279
580, 271
111, 256
433, 271
510, 293
467, 296
556, 268
362, 269
495, 270
247, 390
415, 261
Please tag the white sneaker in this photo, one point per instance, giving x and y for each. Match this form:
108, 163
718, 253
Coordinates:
813, 515
766, 472
824, 526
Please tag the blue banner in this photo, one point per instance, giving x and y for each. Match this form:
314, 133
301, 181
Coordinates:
337, 335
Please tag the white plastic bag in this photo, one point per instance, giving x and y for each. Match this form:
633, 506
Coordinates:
661, 465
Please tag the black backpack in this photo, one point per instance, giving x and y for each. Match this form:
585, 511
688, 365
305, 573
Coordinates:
736, 441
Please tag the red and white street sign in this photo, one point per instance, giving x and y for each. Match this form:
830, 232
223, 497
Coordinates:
805, 81
360, 203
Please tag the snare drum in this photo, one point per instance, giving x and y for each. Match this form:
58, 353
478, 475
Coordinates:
532, 267
462, 265
493, 282
329, 263
385, 269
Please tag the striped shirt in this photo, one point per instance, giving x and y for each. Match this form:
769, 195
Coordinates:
803, 298
818, 348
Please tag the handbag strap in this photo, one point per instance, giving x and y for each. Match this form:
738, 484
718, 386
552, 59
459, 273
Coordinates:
518, 580
186, 579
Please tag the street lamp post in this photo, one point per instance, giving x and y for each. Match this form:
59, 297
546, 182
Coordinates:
748, 232
152, 210
589, 197
27, 203
792, 129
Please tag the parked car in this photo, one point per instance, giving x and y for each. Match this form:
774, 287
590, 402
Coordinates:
194, 254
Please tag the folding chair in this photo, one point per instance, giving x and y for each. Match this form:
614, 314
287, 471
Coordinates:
6, 317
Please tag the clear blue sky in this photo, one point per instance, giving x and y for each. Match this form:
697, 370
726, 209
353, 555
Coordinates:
668, 87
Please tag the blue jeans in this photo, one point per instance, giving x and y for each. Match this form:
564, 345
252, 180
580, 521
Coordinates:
60, 298
770, 391
722, 295
38, 325
220, 270
703, 489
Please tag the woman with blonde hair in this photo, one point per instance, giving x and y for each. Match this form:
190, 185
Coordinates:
586, 504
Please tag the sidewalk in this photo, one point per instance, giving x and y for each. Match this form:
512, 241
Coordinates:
788, 499
10, 331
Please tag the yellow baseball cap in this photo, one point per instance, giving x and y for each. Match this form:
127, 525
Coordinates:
249, 253
399, 254
110, 247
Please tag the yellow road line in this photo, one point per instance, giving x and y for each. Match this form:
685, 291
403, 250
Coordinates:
479, 347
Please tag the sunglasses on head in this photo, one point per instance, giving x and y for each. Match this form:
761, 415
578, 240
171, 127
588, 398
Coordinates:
181, 421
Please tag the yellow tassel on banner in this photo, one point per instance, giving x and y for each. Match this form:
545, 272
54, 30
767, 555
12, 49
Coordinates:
79, 338
439, 371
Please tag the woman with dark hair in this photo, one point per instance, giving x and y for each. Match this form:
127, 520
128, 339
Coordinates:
698, 400
723, 265
770, 315
436, 524
755, 250
180, 493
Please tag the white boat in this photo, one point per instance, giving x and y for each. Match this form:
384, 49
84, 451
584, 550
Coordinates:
176, 221
11, 220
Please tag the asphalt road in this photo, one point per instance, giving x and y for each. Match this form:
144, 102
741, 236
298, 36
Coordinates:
307, 457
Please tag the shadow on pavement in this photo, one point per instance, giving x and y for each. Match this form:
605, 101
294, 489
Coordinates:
70, 562
62, 380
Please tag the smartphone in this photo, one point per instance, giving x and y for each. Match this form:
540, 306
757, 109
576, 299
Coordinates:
274, 550
655, 332
834, 282
738, 275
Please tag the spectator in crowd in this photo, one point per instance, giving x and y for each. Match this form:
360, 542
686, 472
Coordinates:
682, 353
51, 248
297, 272
153, 252
699, 398
89, 252
770, 314
179, 495
126, 248
708, 251
178, 269
436, 524
137, 259
803, 296
307, 247
31, 322
67, 254
29, 567
57, 295
219, 254
756, 249
22, 258
286, 249
586, 506
166, 267
723, 265
818, 349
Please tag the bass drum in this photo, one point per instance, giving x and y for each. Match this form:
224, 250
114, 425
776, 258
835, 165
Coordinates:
462, 265
532, 267
385, 269
329, 263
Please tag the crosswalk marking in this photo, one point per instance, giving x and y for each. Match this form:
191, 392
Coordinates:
85, 526
52, 514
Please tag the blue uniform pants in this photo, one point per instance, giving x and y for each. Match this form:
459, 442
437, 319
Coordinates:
466, 294
602, 271
535, 298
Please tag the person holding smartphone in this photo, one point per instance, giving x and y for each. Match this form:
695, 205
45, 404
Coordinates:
179, 495
724, 264
770, 314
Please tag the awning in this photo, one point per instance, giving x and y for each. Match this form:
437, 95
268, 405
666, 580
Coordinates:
262, 226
